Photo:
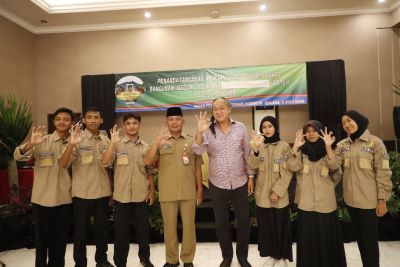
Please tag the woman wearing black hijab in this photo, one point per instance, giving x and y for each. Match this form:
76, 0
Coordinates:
366, 180
319, 238
269, 155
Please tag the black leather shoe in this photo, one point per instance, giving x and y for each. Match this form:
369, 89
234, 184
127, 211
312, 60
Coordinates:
244, 263
226, 263
171, 264
188, 264
146, 263
104, 264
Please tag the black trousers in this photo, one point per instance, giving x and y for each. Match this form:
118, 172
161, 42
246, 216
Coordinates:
221, 200
365, 225
123, 215
52, 225
83, 210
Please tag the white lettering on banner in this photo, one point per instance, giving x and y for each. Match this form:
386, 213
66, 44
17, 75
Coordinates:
189, 79
245, 84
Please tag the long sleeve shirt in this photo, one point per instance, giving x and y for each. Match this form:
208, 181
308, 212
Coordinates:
366, 171
228, 153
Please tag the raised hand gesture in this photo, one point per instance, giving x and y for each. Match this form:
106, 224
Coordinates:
161, 136
256, 140
76, 135
202, 122
328, 137
115, 137
299, 140
37, 135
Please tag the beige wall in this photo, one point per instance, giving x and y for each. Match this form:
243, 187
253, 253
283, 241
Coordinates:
61, 59
17, 55
396, 16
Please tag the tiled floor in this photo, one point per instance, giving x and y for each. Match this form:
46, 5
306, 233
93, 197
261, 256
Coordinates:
207, 255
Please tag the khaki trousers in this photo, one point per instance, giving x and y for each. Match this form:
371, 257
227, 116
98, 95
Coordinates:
169, 210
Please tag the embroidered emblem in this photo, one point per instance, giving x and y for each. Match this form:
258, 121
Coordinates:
371, 144
386, 155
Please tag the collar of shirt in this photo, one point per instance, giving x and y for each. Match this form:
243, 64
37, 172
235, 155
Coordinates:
56, 137
89, 136
183, 135
125, 139
231, 121
364, 137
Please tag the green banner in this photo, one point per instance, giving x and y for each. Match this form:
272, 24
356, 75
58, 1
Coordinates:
268, 85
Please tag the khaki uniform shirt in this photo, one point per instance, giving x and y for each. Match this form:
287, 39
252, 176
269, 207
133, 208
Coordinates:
89, 178
176, 181
131, 183
51, 184
273, 174
366, 172
315, 188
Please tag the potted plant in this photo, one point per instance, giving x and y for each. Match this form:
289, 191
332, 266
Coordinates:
15, 123
389, 224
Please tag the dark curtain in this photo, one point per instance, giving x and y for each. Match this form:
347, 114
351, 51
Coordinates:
327, 93
98, 91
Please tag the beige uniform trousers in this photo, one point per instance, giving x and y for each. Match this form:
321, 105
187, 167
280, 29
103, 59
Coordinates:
187, 209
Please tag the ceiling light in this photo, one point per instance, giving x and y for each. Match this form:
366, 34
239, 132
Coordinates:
381, 1
262, 7
147, 14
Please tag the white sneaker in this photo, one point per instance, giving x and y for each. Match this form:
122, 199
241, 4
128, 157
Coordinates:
269, 262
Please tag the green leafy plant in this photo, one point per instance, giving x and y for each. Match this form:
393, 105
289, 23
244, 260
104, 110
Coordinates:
343, 213
15, 122
393, 204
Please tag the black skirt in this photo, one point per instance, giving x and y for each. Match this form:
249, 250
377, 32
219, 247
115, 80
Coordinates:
319, 240
274, 234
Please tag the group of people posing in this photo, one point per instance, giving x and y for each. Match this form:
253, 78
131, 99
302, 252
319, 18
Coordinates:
239, 164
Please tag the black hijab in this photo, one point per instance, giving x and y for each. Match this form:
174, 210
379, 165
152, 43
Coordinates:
275, 138
362, 123
316, 150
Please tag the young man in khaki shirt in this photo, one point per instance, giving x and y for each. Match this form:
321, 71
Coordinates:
179, 173
90, 186
133, 189
51, 193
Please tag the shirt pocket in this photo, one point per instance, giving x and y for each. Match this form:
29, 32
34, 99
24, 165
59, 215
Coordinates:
122, 158
276, 164
365, 161
166, 153
46, 159
346, 160
166, 150
86, 156
306, 168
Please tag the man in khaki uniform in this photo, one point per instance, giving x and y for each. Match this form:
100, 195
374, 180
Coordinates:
179, 172
90, 186
133, 189
51, 193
